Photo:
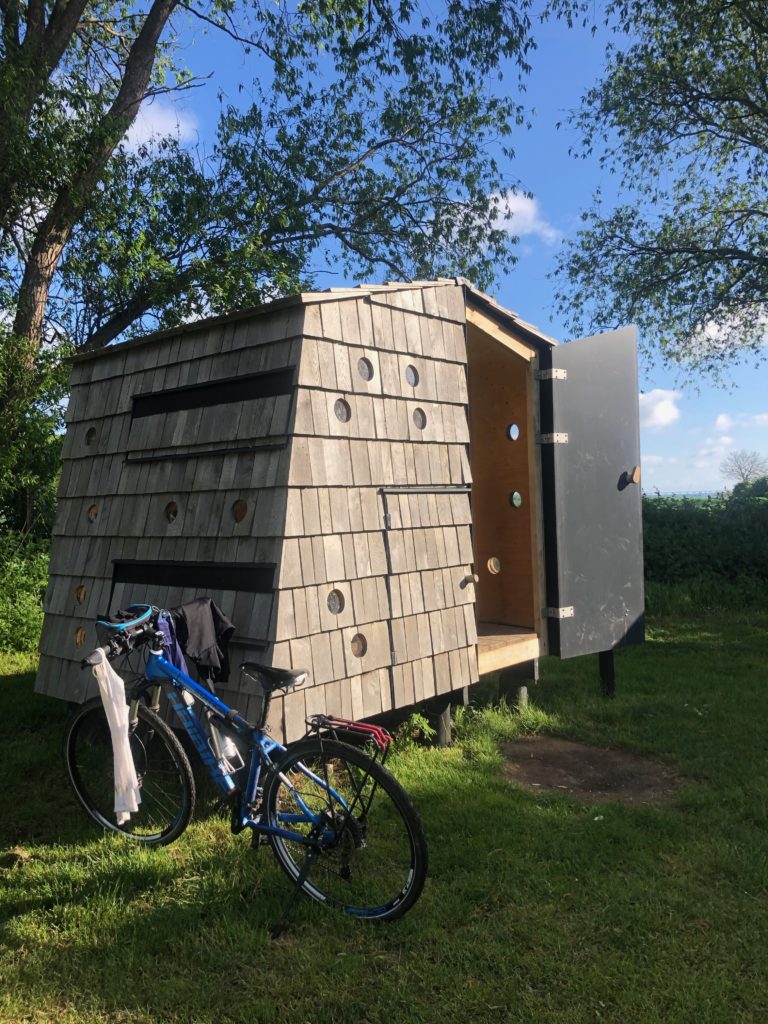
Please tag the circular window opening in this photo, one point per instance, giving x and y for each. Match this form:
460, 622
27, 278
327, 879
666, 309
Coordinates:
412, 375
494, 566
93, 513
342, 410
365, 368
171, 511
79, 636
239, 508
419, 418
336, 602
513, 432
80, 594
359, 645
516, 499
90, 436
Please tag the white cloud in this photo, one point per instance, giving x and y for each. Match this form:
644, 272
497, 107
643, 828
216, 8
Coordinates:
659, 460
526, 219
712, 452
158, 119
724, 422
658, 408
761, 419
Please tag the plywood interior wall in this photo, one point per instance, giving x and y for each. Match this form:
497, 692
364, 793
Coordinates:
500, 382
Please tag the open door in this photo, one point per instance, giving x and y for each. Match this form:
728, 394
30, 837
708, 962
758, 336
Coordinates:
590, 457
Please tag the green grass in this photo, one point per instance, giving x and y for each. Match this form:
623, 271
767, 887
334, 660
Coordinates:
538, 908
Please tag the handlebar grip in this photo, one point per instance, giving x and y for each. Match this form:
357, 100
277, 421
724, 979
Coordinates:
91, 659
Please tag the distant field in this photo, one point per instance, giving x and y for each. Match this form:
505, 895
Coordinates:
539, 909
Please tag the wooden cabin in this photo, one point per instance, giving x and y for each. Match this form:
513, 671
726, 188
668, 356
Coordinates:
398, 487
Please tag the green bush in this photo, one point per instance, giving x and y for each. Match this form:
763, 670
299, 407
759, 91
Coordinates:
710, 539
23, 579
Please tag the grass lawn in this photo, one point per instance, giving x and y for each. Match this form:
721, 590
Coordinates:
538, 908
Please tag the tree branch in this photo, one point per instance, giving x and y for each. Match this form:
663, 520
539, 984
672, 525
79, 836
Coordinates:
57, 227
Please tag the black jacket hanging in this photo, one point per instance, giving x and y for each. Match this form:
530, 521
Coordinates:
203, 631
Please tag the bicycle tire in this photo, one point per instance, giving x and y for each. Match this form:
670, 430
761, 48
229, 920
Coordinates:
374, 863
162, 767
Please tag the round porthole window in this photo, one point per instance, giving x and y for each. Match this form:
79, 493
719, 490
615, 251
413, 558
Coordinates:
412, 375
336, 602
516, 499
513, 432
494, 566
359, 645
419, 418
171, 511
342, 410
79, 636
239, 508
365, 368
93, 513
90, 436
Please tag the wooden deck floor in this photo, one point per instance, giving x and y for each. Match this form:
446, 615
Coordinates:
500, 646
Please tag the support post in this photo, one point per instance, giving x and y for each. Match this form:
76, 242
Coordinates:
444, 736
515, 680
607, 673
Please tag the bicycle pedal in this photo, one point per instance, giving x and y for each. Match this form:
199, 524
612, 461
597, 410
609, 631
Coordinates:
257, 839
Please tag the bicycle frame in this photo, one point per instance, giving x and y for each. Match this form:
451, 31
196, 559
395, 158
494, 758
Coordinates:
261, 747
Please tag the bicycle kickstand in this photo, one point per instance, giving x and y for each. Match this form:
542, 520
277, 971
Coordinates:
311, 859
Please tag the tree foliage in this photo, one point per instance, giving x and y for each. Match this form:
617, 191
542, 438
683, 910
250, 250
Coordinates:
368, 133
366, 141
681, 115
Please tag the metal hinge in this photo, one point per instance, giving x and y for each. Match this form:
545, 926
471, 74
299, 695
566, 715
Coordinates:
552, 438
558, 613
551, 374
393, 657
387, 521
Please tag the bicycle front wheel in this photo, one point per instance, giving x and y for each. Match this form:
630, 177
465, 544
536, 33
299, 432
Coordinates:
372, 860
162, 768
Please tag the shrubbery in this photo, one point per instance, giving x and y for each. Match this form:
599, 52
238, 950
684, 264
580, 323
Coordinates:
689, 538
23, 579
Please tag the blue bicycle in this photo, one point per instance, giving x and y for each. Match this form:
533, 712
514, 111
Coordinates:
340, 825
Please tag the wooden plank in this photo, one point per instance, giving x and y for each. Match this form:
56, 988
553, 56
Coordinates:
443, 682
501, 646
331, 321
306, 575
322, 663
381, 320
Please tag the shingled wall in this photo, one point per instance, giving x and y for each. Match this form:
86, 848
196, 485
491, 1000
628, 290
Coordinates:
307, 467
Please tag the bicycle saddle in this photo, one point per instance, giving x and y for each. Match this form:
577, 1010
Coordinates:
275, 678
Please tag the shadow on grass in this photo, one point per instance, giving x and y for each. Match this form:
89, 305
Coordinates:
543, 909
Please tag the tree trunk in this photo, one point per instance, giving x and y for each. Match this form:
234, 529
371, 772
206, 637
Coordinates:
55, 231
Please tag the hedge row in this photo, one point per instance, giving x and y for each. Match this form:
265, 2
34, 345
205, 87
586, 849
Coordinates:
692, 538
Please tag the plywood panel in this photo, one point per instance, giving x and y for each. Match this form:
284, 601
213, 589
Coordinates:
499, 382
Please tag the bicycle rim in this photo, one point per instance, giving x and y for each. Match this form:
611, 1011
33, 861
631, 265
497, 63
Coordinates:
162, 768
373, 859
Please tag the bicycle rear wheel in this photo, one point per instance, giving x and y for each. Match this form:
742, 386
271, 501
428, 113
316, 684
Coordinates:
163, 770
373, 857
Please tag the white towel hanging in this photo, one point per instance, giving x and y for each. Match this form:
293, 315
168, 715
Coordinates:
112, 690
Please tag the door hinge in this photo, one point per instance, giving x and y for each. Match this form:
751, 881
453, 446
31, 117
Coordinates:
551, 374
558, 613
387, 521
393, 657
552, 438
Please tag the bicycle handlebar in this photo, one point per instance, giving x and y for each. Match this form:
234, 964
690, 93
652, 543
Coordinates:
123, 637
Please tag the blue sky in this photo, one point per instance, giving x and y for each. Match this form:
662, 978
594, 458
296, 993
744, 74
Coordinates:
686, 429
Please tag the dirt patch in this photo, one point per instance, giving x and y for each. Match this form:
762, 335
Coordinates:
547, 763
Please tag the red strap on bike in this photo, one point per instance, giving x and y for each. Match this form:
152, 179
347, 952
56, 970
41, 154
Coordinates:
380, 736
